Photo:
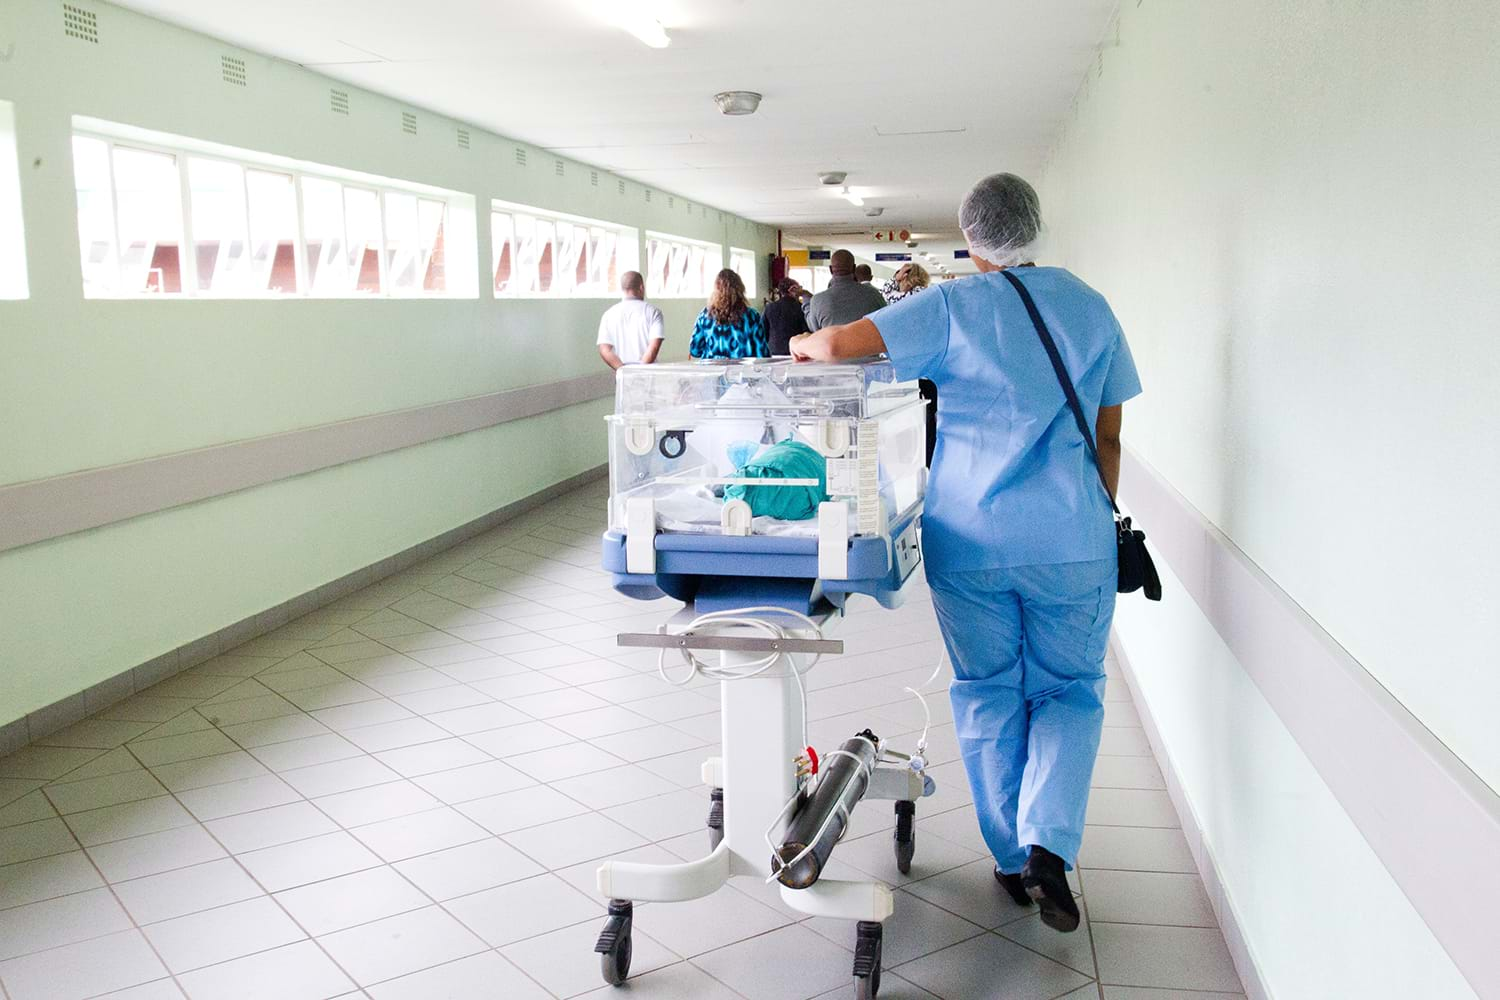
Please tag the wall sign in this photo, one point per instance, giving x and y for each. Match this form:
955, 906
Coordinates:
892, 235
960, 255
892, 256
819, 254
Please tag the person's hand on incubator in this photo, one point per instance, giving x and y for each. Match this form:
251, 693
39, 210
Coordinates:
860, 339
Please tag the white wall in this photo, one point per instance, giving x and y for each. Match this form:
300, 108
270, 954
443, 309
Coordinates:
1293, 208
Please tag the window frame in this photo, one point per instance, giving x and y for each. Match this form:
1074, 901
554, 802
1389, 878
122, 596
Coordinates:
184, 150
682, 245
582, 240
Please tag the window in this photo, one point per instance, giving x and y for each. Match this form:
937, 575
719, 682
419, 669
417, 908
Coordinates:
679, 268
742, 262
12, 235
536, 253
178, 218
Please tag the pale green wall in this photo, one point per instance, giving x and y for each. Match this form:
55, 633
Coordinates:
1292, 207
85, 384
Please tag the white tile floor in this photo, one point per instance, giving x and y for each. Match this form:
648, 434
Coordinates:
405, 795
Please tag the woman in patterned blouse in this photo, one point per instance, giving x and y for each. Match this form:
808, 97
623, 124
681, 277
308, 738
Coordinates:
729, 327
911, 278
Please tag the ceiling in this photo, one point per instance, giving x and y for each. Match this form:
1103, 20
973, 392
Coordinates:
914, 101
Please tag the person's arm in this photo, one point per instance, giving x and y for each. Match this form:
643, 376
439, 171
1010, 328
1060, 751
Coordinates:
656, 335
607, 352
1107, 443
860, 339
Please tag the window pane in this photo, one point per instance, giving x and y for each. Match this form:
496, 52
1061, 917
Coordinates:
217, 191
742, 262
546, 236
526, 255
149, 213
402, 247
273, 232
503, 239
431, 216
96, 215
362, 230
323, 236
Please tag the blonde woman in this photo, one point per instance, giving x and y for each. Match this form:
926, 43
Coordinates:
728, 327
911, 278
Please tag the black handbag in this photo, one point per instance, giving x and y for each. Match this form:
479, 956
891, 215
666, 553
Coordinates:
1137, 571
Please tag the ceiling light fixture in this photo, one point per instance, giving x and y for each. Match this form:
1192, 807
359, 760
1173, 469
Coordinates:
853, 198
874, 210
737, 102
832, 178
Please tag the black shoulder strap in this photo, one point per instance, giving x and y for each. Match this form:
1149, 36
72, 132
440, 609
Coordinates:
1062, 377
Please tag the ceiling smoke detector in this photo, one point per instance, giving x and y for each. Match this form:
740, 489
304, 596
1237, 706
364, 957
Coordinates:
737, 102
832, 178
911, 244
874, 210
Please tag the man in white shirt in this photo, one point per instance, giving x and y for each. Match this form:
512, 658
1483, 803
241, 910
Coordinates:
630, 333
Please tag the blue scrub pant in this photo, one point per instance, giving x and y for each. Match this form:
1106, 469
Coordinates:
1027, 645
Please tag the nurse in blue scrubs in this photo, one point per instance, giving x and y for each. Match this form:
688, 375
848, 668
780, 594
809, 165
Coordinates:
1018, 534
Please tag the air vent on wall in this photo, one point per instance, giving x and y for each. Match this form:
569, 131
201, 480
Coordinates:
557, 168
463, 138
621, 186
80, 24
408, 123
520, 157
338, 102
233, 69
671, 201
594, 178
648, 194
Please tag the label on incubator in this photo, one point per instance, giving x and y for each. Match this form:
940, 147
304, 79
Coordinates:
843, 477
867, 502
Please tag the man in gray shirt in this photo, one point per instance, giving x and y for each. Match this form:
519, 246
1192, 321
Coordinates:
845, 299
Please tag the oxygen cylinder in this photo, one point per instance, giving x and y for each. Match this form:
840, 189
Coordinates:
843, 782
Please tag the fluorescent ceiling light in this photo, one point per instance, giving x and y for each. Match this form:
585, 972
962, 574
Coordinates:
648, 29
853, 198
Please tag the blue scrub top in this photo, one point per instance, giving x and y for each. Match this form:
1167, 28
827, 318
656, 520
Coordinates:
1012, 482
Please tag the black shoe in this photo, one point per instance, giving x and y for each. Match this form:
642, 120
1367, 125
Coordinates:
1046, 882
1012, 885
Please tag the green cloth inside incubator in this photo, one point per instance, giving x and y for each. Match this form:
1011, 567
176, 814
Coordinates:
787, 460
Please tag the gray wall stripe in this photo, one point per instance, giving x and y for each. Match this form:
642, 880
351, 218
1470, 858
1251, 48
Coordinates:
48, 508
1426, 815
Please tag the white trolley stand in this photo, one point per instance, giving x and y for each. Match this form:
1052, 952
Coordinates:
778, 595
750, 786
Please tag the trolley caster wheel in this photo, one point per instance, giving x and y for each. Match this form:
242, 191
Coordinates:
867, 937
613, 945
715, 817
906, 835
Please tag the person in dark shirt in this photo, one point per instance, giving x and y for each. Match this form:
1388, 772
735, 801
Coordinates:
785, 318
